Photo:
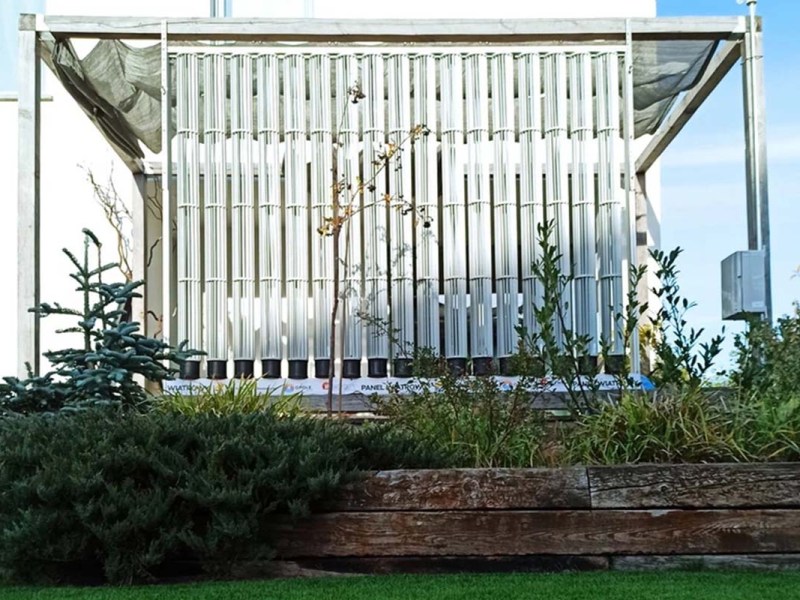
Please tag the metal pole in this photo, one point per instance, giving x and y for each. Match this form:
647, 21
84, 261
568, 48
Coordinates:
758, 234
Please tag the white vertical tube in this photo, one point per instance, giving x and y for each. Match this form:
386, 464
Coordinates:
530, 182
376, 270
629, 228
453, 211
189, 316
243, 216
294, 98
348, 164
167, 331
322, 195
557, 207
479, 212
216, 222
270, 238
402, 217
583, 198
427, 205
505, 206
609, 209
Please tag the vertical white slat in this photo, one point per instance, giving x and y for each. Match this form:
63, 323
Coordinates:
321, 135
376, 269
453, 210
216, 225
629, 226
479, 208
427, 205
609, 201
557, 208
243, 214
583, 198
402, 216
270, 237
505, 206
167, 268
294, 99
347, 116
530, 182
189, 308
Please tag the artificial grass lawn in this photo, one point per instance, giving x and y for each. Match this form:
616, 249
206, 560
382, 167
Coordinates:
562, 586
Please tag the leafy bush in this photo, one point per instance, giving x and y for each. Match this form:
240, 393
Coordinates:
102, 370
234, 397
124, 494
470, 419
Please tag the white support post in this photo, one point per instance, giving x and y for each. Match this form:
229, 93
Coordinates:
28, 200
168, 301
141, 247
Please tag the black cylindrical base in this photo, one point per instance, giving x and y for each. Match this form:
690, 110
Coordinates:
615, 364
217, 369
243, 369
189, 369
298, 369
457, 366
322, 368
351, 368
505, 366
587, 365
377, 367
401, 367
482, 366
271, 368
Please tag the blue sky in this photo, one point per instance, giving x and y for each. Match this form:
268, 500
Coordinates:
703, 193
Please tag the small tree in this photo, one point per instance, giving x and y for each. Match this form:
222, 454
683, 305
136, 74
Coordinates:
102, 369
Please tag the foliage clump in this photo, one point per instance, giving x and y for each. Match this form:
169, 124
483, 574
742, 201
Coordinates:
101, 370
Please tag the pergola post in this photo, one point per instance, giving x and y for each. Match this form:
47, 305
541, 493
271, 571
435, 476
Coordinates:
758, 236
28, 265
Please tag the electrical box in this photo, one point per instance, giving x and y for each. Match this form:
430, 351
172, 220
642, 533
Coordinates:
743, 286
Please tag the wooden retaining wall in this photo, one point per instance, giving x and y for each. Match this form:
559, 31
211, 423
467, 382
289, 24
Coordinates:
625, 517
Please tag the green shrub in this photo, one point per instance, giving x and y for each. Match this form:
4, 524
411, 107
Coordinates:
124, 494
234, 397
101, 371
470, 419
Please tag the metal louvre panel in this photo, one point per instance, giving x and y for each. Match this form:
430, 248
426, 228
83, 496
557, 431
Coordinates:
376, 267
401, 217
479, 210
270, 236
531, 182
189, 307
322, 195
505, 205
610, 208
296, 194
453, 209
557, 208
583, 198
216, 222
243, 246
351, 246
426, 242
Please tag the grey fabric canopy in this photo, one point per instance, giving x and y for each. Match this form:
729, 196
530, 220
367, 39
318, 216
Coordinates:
120, 85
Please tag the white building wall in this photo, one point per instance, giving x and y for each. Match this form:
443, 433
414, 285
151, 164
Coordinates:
70, 140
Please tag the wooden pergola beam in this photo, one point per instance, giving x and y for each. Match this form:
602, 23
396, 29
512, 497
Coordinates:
409, 30
720, 65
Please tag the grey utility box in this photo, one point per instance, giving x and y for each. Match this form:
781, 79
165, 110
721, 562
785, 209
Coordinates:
743, 286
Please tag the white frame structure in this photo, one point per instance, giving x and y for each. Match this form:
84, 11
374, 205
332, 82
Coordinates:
742, 38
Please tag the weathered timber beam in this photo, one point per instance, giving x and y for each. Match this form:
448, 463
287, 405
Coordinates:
720, 65
415, 30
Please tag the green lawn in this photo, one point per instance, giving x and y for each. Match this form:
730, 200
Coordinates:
565, 586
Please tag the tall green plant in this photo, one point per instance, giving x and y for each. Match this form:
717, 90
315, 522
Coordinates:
102, 369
